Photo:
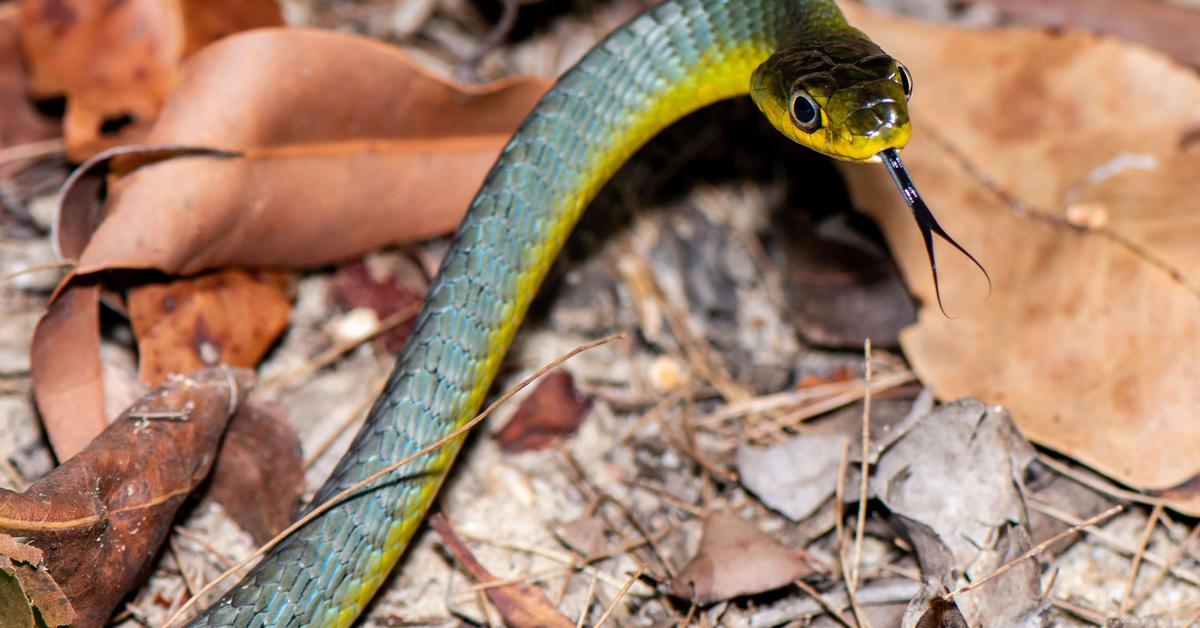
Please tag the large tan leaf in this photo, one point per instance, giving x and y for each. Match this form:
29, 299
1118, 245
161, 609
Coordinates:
1089, 336
309, 147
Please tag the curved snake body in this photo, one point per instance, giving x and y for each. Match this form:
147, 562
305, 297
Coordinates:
669, 61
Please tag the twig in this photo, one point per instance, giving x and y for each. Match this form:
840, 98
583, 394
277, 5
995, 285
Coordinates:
1099, 484
350, 419
861, 523
839, 495
332, 354
65, 263
222, 560
620, 594
367, 481
824, 602
14, 475
1143, 541
1034, 551
30, 150
1150, 557
587, 601
759, 432
1164, 571
564, 558
467, 72
1087, 614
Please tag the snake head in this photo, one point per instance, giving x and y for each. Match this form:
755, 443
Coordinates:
847, 98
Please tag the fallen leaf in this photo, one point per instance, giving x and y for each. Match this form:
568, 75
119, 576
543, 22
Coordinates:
1163, 25
519, 604
65, 368
967, 528
117, 62
942, 614
259, 474
21, 122
27, 583
736, 558
1083, 336
307, 148
386, 292
225, 317
100, 517
795, 477
554, 410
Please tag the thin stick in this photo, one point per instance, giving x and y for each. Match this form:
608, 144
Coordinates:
30, 150
331, 355
338, 498
66, 263
620, 594
1143, 541
1165, 570
1150, 557
824, 602
1034, 551
350, 419
1099, 485
587, 600
860, 525
839, 515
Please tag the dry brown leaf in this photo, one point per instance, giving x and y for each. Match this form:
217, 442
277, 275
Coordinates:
100, 517
225, 317
118, 61
1162, 25
344, 142
554, 410
25, 585
1086, 336
259, 474
520, 604
21, 122
65, 368
736, 558
319, 147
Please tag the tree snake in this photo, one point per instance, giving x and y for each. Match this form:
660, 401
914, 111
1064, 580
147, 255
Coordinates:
817, 80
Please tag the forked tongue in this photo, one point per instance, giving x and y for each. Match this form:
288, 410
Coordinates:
925, 220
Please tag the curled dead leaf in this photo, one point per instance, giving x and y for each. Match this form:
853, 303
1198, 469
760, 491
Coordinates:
100, 517
313, 147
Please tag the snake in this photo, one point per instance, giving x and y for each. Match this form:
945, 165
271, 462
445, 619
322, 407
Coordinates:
816, 79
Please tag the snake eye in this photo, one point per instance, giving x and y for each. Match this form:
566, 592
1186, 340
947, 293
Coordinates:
805, 112
906, 81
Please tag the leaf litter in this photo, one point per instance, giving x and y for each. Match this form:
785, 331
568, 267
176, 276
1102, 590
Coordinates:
665, 467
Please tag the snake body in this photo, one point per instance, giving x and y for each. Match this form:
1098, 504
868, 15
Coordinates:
672, 59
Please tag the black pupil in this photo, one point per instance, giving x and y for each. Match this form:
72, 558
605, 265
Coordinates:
804, 110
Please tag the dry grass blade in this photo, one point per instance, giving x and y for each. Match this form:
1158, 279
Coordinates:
1143, 541
1034, 551
338, 498
620, 594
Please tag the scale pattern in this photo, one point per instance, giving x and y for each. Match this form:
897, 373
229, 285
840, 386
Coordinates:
671, 60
